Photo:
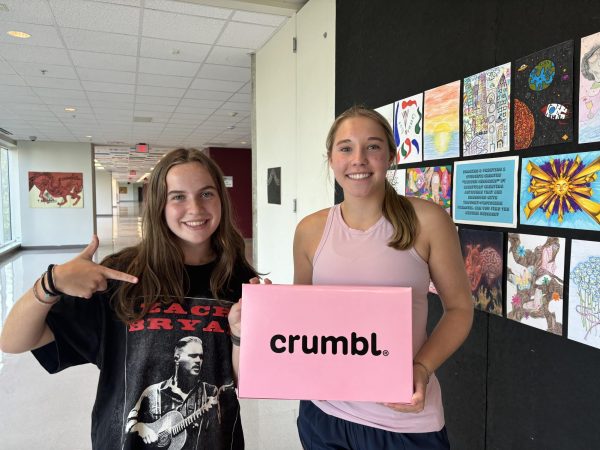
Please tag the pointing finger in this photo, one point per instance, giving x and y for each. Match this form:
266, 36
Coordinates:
112, 274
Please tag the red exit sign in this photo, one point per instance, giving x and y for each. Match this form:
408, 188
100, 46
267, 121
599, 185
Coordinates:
141, 148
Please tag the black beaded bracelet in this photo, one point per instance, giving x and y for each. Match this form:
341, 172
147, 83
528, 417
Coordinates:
235, 339
50, 275
47, 291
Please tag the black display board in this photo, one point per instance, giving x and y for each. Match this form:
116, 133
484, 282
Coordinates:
510, 386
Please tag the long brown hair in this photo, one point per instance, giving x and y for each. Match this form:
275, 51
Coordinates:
396, 208
158, 260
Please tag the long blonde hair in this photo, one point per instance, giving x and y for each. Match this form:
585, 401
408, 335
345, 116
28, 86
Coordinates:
396, 208
158, 260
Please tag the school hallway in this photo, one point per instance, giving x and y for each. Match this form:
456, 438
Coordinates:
53, 412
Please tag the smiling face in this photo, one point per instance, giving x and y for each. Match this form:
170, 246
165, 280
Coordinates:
192, 210
360, 157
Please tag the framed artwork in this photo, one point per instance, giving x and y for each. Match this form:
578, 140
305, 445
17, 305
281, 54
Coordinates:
534, 281
485, 192
486, 112
561, 191
441, 126
589, 89
584, 293
397, 178
274, 185
123, 190
543, 96
482, 253
55, 189
430, 183
408, 129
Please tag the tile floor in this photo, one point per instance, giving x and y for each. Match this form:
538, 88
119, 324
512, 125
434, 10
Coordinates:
52, 412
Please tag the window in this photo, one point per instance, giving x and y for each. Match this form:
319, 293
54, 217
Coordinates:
5, 229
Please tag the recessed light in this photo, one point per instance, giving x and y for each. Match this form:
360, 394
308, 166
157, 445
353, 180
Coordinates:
70, 109
89, 137
19, 34
243, 142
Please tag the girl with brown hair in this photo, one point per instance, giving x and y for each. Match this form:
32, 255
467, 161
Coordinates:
127, 313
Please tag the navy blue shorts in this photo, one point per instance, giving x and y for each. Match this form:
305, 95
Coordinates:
320, 431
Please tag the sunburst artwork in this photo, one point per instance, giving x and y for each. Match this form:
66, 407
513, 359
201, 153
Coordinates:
561, 191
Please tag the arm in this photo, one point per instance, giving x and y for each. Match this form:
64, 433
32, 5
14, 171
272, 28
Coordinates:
438, 244
306, 241
25, 327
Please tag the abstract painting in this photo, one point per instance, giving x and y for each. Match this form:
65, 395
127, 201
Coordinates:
584, 293
408, 129
486, 111
482, 253
561, 191
589, 89
534, 284
55, 189
543, 97
440, 130
397, 178
430, 183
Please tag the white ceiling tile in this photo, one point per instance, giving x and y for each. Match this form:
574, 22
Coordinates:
114, 105
108, 76
203, 94
178, 27
153, 108
16, 98
166, 67
230, 56
30, 107
50, 82
228, 73
11, 80
122, 2
96, 41
96, 16
52, 70
258, 18
164, 80
216, 85
175, 50
245, 35
244, 98
62, 102
188, 8
247, 89
58, 93
207, 104
30, 11
193, 110
95, 60
154, 100
117, 88
41, 35
236, 106
22, 53
160, 91
109, 97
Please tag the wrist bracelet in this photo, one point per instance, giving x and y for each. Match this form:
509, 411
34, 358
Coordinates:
50, 275
44, 287
235, 339
427, 372
43, 301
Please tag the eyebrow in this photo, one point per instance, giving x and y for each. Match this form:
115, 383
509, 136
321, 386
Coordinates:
347, 141
175, 191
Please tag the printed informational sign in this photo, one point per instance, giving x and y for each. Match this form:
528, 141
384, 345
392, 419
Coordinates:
327, 343
485, 192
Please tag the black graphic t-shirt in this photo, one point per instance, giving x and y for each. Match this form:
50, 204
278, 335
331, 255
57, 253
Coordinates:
166, 378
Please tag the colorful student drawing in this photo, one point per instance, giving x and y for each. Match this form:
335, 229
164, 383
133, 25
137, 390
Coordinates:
387, 111
441, 125
486, 111
397, 178
589, 89
543, 97
561, 191
534, 281
584, 293
482, 253
431, 183
408, 129
55, 189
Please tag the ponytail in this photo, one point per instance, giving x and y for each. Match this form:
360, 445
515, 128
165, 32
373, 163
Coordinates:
398, 210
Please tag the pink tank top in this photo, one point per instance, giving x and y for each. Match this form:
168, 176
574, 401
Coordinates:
348, 256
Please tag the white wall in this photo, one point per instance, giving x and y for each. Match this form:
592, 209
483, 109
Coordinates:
103, 193
132, 192
55, 226
294, 107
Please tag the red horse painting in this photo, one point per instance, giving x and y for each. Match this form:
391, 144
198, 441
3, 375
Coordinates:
55, 188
